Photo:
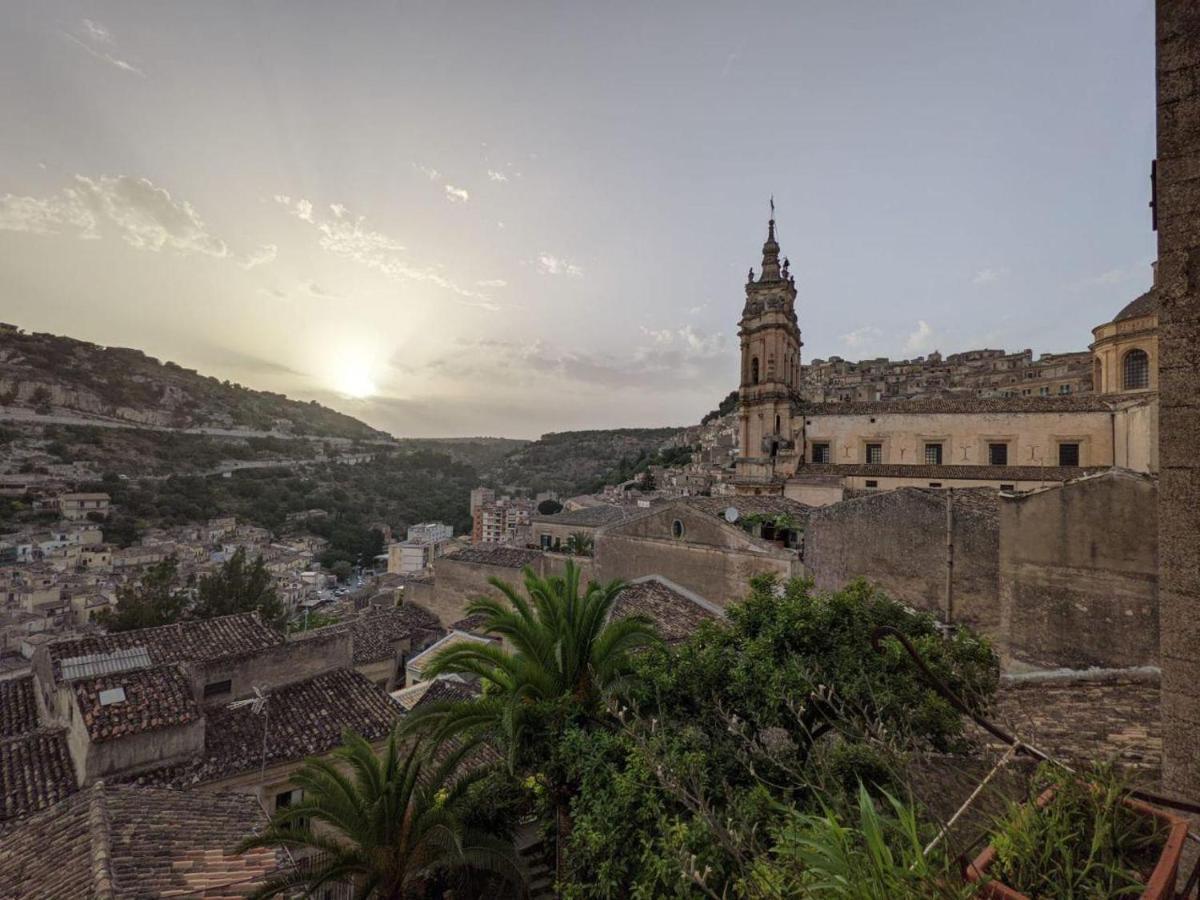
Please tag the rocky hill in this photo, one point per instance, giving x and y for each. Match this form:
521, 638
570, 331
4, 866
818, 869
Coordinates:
572, 462
53, 374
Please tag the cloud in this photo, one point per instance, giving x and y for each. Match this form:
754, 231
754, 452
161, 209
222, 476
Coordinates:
260, 257
349, 237
547, 264
145, 216
921, 338
492, 283
428, 171
315, 290
456, 194
861, 338
93, 38
493, 175
987, 276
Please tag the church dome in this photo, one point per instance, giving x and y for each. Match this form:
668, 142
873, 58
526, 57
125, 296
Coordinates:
1145, 305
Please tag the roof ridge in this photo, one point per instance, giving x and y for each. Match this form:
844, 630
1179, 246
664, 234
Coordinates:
103, 882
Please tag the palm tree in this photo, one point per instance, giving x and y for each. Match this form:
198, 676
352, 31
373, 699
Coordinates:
393, 826
567, 658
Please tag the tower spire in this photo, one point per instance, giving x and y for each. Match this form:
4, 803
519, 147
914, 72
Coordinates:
770, 263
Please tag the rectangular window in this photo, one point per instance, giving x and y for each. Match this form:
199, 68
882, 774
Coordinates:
1068, 454
933, 454
997, 454
1008, 487
1044, 391
1064, 389
821, 453
935, 484
217, 688
874, 454
871, 483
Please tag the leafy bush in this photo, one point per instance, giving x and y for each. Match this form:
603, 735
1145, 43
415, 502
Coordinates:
1084, 843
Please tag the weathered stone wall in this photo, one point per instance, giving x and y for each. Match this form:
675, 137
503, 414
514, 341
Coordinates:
1078, 574
457, 583
274, 666
1135, 433
897, 540
1178, 212
715, 561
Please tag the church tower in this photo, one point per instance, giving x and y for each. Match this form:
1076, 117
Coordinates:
771, 428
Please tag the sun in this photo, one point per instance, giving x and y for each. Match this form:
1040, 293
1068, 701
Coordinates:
354, 379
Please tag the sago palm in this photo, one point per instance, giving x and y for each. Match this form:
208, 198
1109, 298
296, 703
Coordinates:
391, 825
563, 656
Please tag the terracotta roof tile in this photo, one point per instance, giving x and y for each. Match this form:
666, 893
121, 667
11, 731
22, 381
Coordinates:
495, 555
674, 613
191, 641
305, 718
35, 771
159, 697
123, 841
18, 709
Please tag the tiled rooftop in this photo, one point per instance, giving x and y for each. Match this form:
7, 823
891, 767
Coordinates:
676, 614
495, 555
35, 771
588, 517
122, 841
192, 641
305, 718
751, 505
154, 698
377, 630
18, 709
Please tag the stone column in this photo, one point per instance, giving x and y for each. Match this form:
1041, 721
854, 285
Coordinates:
1178, 209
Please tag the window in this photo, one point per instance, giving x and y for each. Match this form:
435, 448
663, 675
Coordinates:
874, 454
754, 370
1064, 389
1044, 391
1068, 454
935, 484
217, 688
677, 529
544, 540
821, 453
933, 454
1098, 378
777, 424
286, 798
997, 454
1008, 487
1135, 370
872, 483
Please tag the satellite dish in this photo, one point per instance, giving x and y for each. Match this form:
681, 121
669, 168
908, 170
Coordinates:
732, 515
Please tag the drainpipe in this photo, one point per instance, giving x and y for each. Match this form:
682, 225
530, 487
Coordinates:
949, 556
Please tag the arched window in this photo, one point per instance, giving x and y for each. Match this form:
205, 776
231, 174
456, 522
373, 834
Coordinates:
777, 424
754, 370
1135, 370
677, 529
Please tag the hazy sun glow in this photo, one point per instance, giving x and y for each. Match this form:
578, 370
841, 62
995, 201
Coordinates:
354, 379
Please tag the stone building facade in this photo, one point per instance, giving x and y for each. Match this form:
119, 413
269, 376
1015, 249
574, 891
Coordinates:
1177, 211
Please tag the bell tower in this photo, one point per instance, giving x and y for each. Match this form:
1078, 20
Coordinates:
771, 429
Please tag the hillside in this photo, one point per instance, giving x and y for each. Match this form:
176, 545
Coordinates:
50, 373
572, 462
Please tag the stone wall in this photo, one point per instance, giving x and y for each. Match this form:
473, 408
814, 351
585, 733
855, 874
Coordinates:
272, 667
897, 540
1078, 574
457, 583
711, 558
1177, 200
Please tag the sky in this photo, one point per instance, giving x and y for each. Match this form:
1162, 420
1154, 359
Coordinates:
453, 219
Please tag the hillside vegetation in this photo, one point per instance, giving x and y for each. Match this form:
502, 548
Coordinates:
573, 462
46, 371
